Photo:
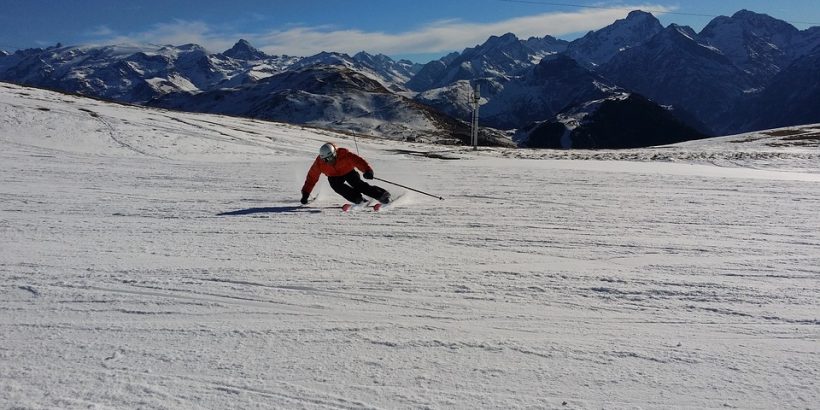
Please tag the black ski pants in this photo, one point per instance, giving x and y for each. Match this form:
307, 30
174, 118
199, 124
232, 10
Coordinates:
352, 187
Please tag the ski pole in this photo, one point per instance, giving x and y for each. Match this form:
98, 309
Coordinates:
407, 187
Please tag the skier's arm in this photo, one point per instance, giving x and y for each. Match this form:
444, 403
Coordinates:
312, 177
361, 164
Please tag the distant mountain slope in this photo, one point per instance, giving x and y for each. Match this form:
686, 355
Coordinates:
132, 73
537, 94
542, 91
675, 68
498, 57
619, 121
359, 95
329, 96
792, 97
560, 104
380, 67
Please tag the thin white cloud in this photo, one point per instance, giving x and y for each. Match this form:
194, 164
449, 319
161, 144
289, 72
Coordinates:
440, 36
100, 31
177, 32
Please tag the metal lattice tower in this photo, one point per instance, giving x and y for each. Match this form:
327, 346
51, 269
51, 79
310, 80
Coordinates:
474, 125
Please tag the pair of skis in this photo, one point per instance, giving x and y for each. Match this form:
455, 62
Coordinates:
348, 207
364, 206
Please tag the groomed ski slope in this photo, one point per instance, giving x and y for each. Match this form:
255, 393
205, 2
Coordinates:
153, 259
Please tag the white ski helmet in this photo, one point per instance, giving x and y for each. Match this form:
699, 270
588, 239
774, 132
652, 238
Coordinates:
327, 152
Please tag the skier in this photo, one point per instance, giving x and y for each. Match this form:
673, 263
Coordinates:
339, 164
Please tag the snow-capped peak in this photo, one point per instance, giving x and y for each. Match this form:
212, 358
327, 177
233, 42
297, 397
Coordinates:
243, 50
502, 41
598, 47
757, 43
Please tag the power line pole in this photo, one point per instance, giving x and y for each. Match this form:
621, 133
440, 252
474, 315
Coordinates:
474, 125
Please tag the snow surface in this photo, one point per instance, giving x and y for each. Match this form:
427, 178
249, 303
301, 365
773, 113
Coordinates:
153, 259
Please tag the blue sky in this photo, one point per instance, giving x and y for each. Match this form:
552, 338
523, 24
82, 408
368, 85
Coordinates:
417, 29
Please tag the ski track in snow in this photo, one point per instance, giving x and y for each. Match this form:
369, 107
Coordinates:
154, 259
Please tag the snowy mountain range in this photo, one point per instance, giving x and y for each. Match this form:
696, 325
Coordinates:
709, 78
677, 70
498, 57
138, 73
562, 91
330, 96
744, 72
713, 74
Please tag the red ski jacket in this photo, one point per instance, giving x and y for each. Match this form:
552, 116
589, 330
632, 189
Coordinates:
346, 161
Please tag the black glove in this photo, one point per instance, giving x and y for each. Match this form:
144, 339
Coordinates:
368, 174
304, 199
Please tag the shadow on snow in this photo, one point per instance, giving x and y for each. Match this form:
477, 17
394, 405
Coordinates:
270, 210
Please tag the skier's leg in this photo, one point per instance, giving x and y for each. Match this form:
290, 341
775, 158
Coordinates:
348, 192
372, 191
